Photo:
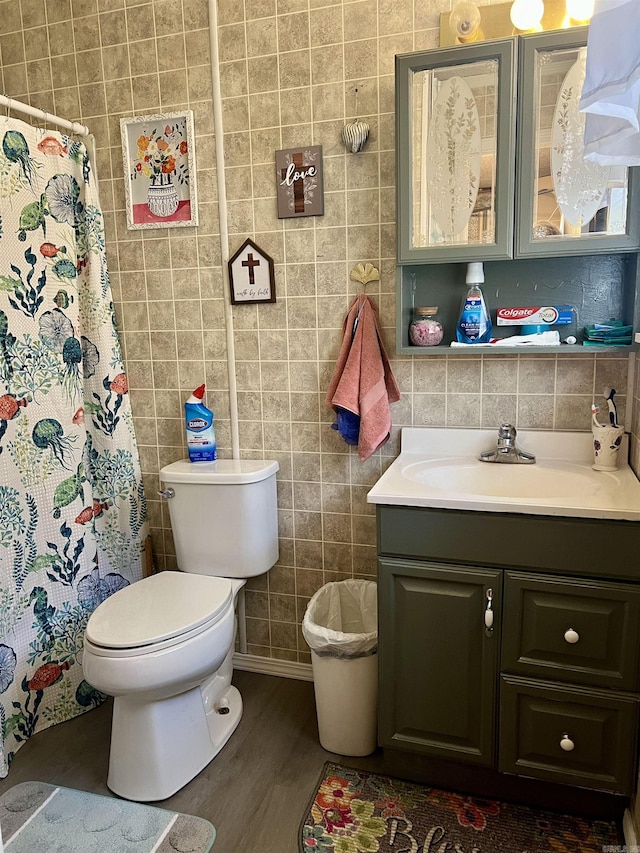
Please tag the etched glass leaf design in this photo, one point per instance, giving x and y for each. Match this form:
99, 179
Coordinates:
579, 185
453, 166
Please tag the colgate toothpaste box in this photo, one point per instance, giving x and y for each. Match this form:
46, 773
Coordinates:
549, 315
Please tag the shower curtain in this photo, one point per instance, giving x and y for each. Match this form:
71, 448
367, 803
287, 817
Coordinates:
72, 509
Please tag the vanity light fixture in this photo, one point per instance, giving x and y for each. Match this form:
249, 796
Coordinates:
464, 23
580, 10
475, 22
527, 14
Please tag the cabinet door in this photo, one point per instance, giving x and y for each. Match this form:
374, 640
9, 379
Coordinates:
438, 662
582, 631
455, 149
566, 204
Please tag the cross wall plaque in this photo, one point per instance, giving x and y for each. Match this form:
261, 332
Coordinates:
299, 182
251, 275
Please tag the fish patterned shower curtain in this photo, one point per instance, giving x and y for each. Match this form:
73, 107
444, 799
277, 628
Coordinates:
72, 509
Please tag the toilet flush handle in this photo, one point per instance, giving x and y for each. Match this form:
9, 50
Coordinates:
167, 494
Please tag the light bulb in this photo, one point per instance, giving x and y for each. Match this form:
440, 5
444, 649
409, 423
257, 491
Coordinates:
464, 21
527, 14
580, 10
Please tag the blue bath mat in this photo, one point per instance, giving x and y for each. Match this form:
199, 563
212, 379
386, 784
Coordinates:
37, 816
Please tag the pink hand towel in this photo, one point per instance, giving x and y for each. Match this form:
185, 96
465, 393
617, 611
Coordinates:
362, 381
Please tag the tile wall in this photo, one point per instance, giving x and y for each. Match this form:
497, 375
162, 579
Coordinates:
290, 70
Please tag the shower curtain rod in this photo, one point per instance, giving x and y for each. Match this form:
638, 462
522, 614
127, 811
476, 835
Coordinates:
73, 126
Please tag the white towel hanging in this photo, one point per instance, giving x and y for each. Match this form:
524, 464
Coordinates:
611, 91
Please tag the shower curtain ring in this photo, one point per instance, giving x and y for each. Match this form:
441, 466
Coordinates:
8, 108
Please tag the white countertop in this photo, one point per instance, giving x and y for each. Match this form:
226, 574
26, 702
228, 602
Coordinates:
440, 468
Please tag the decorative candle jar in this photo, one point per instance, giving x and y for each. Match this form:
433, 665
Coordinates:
425, 329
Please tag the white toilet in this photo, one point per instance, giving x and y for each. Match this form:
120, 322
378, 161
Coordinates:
163, 646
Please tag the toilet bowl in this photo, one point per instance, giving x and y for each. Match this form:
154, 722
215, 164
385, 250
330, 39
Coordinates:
163, 646
163, 650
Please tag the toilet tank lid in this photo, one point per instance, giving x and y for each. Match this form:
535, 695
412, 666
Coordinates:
222, 471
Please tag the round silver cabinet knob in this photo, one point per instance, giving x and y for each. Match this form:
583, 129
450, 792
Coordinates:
167, 494
571, 636
566, 743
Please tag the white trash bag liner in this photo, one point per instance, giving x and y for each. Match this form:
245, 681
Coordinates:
341, 619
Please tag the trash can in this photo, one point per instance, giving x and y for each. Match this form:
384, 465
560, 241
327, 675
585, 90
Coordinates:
341, 627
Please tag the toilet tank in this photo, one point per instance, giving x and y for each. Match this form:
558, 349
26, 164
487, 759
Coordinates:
224, 515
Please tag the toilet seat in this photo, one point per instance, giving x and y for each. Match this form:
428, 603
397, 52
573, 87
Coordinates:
158, 612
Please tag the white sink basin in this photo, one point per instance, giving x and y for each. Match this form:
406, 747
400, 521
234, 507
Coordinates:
500, 480
440, 468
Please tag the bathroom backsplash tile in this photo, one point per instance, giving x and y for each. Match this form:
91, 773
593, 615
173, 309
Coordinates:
575, 375
536, 375
499, 375
464, 410
289, 73
573, 412
535, 411
498, 408
611, 373
463, 375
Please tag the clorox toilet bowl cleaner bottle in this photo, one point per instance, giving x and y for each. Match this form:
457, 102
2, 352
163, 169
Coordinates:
201, 437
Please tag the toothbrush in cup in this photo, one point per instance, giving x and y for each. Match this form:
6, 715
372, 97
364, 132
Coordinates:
609, 393
595, 408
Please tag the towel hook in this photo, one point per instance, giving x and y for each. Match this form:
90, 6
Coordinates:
364, 273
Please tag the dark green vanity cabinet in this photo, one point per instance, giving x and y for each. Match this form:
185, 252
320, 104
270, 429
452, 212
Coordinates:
549, 688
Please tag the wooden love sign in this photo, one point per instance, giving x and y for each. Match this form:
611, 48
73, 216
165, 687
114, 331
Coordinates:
299, 182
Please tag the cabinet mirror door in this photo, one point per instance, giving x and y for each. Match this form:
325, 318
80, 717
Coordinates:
455, 153
567, 205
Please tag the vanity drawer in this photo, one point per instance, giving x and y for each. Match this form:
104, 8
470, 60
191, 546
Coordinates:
597, 730
586, 632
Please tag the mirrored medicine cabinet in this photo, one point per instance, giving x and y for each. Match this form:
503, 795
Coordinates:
490, 167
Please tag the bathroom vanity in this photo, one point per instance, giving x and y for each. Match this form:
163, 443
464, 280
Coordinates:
509, 608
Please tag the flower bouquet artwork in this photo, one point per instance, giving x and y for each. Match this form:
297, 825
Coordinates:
159, 170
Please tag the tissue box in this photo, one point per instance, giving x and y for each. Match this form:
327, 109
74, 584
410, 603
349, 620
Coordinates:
547, 315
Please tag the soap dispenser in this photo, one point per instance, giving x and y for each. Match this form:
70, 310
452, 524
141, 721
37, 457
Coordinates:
474, 325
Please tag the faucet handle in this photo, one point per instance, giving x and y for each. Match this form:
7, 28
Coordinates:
507, 431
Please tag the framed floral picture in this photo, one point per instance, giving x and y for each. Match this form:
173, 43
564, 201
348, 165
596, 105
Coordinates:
160, 170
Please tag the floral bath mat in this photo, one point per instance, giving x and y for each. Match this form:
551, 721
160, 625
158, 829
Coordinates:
353, 811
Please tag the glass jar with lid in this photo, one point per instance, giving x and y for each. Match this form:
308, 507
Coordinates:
425, 329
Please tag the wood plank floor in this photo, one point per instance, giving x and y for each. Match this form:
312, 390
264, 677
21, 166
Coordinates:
255, 791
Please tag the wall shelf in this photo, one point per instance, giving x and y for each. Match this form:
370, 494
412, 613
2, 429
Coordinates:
599, 287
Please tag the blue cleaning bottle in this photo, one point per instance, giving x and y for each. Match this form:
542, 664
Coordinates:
201, 438
474, 325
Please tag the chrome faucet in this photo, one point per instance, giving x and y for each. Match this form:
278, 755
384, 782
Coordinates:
506, 450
